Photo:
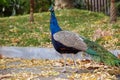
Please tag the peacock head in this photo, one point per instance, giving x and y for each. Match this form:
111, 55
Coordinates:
51, 9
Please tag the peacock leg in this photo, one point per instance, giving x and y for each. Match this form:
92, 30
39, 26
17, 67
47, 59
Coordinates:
75, 64
64, 57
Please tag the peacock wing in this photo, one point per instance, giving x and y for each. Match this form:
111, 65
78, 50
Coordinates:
70, 39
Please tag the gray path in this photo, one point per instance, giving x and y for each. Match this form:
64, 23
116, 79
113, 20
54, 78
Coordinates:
39, 53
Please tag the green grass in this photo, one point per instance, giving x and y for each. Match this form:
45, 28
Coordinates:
17, 31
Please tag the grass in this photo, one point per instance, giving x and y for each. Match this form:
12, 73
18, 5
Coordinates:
17, 31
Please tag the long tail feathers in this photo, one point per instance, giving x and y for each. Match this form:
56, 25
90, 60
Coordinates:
100, 54
106, 58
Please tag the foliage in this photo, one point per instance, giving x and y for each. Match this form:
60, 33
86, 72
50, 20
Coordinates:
16, 7
17, 31
3, 2
80, 4
118, 7
12, 7
42, 5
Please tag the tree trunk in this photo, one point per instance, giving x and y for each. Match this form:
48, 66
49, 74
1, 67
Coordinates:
61, 4
31, 10
113, 16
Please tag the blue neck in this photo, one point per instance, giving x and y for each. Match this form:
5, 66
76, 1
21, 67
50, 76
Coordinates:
54, 27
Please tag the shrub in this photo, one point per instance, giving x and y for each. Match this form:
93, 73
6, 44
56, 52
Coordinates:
118, 7
17, 7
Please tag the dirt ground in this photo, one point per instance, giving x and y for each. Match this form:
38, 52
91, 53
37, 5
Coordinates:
34, 69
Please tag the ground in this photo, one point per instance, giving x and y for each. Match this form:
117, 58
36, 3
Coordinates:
26, 69
17, 31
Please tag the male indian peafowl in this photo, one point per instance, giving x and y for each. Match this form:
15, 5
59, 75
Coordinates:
72, 43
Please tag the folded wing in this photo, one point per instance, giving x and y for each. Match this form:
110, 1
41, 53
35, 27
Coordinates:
70, 39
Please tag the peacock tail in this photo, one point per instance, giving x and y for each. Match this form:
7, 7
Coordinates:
100, 54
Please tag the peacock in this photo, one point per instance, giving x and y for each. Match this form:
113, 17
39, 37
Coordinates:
66, 42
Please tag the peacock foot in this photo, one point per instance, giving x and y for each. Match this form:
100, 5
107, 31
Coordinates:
64, 70
76, 71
